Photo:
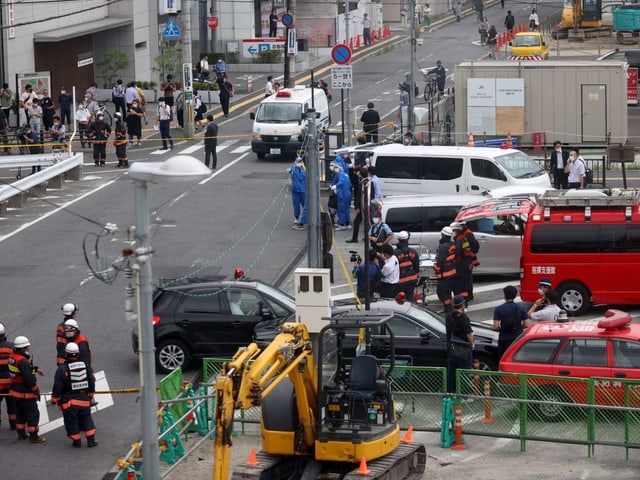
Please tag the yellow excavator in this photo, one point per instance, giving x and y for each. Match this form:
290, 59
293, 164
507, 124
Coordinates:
326, 405
582, 13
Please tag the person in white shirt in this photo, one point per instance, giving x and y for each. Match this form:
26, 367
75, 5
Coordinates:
268, 88
82, 118
577, 171
204, 67
550, 311
534, 21
390, 272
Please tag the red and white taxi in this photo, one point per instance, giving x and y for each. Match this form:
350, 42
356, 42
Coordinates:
608, 349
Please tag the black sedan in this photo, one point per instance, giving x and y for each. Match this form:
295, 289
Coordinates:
210, 318
420, 335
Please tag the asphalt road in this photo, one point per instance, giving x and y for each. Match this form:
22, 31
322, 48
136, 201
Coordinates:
238, 217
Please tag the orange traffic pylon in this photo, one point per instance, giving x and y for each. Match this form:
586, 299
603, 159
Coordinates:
487, 404
357, 41
408, 437
253, 459
363, 469
459, 445
351, 43
509, 140
471, 142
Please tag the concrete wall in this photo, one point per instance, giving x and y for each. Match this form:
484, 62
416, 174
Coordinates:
553, 96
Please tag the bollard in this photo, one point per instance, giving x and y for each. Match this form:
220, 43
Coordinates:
459, 445
471, 142
487, 404
446, 435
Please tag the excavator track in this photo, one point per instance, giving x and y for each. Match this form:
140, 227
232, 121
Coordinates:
407, 462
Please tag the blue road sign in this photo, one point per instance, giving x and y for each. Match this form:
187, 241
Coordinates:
341, 54
171, 30
287, 20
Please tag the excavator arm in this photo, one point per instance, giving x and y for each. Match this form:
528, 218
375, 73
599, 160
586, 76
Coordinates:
251, 374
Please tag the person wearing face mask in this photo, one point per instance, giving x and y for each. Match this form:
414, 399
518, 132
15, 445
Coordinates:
134, 122
298, 175
164, 122
545, 309
557, 162
445, 268
543, 285
379, 234
575, 171
65, 100
82, 119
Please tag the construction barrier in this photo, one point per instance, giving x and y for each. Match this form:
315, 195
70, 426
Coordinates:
471, 143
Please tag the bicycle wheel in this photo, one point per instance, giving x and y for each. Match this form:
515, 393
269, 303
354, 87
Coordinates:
107, 117
428, 91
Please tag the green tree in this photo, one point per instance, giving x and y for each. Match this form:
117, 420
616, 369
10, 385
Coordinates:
169, 62
111, 65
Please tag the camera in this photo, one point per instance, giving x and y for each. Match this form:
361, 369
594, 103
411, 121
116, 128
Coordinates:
355, 257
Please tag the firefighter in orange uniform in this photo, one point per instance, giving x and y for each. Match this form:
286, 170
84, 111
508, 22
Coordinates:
69, 310
445, 268
73, 334
409, 262
25, 391
73, 390
6, 349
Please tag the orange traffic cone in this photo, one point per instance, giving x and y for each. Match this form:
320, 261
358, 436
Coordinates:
408, 437
357, 41
471, 142
363, 470
351, 43
509, 140
253, 460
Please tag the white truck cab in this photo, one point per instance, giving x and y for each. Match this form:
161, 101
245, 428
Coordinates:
279, 123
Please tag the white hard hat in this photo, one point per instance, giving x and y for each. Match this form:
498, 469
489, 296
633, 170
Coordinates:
21, 342
403, 235
1, 329
72, 348
447, 231
456, 226
71, 323
69, 308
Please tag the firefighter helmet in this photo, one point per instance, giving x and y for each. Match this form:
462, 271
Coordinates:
69, 308
1, 329
72, 349
21, 342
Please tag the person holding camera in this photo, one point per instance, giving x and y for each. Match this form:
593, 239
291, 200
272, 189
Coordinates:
359, 273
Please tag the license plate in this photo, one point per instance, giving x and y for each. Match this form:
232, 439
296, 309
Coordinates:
274, 151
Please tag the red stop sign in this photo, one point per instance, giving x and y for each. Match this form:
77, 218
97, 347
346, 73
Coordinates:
212, 22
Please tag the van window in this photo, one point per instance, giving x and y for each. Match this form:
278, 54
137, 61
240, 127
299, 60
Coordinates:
279, 113
520, 165
481, 167
420, 168
497, 225
421, 218
585, 239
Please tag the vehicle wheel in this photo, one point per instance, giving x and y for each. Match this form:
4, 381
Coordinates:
574, 298
172, 354
487, 363
550, 412
261, 156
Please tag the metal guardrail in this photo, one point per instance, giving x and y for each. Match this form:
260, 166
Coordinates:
58, 164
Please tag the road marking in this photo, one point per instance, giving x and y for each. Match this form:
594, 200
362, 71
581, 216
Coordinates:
104, 400
240, 149
218, 172
160, 152
191, 149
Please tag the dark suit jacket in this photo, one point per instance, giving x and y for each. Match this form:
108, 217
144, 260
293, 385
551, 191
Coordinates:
211, 135
553, 162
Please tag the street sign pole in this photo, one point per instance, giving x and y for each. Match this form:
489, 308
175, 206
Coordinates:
287, 67
347, 19
186, 59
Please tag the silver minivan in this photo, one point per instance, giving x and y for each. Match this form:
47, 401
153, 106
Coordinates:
423, 216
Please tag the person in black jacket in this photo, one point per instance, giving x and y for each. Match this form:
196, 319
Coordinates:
370, 119
211, 143
459, 326
509, 21
558, 161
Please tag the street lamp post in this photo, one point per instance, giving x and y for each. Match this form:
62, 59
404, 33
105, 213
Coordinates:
178, 168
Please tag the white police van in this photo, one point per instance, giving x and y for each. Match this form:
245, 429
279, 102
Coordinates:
279, 123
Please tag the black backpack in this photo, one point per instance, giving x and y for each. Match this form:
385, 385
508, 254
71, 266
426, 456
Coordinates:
512, 323
203, 107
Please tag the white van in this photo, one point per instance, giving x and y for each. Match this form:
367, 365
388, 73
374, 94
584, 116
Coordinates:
412, 170
279, 123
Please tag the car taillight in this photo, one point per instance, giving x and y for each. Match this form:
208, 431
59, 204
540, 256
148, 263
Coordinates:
156, 320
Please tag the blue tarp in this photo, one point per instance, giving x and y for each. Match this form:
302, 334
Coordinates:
495, 142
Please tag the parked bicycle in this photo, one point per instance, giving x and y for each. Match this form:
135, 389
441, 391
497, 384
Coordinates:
102, 108
431, 87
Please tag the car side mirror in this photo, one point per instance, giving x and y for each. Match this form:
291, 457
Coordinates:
425, 336
252, 115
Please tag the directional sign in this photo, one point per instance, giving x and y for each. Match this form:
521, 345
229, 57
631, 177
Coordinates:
171, 31
287, 20
212, 22
341, 54
342, 77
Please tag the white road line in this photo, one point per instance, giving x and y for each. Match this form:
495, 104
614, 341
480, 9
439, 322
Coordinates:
191, 149
240, 149
218, 172
159, 152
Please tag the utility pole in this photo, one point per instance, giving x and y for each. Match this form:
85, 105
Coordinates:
186, 59
287, 65
412, 59
314, 237
349, 112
